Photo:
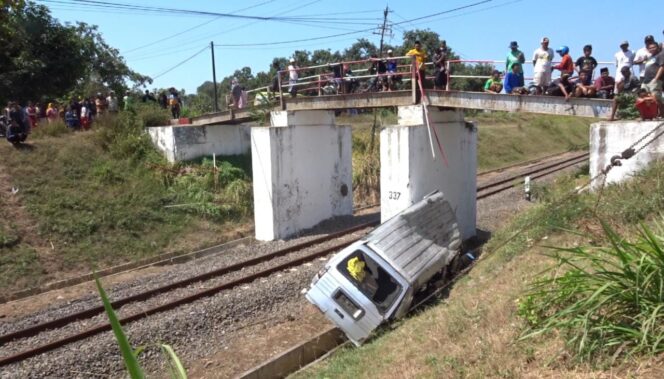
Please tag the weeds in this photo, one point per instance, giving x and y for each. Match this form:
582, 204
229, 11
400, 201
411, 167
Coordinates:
609, 300
54, 129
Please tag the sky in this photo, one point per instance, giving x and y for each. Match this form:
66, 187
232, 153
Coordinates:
155, 44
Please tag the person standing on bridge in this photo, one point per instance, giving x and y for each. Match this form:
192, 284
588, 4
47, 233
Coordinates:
513, 57
624, 58
566, 65
542, 60
586, 64
440, 65
292, 77
642, 55
420, 57
654, 74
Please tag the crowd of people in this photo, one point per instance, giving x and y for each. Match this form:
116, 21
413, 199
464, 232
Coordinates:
16, 121
575, 78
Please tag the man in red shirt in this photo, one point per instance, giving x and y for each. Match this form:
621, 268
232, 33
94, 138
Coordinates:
646, 104
566, 65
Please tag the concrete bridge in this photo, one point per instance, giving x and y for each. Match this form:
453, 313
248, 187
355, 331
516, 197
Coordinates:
552, 105
302, 159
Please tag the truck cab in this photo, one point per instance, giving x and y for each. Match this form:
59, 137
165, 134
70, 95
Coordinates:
376, 278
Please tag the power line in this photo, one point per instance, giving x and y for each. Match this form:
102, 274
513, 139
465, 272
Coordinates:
194, 27
353, 32
180, 63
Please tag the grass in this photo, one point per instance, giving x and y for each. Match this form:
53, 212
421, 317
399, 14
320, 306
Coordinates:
475, 331
104, 197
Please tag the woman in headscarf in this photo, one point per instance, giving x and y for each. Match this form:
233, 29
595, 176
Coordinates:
51, 113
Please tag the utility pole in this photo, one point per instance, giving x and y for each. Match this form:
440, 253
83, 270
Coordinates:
380, 55
382, 30
214, 78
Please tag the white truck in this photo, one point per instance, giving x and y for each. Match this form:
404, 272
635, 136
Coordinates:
378, 278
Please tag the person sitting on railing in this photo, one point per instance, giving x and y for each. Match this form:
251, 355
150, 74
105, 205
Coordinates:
440, 67
349, 81
581, 89
561, 87
566, 65
420, 57
586, 64
337, 73
292, 78
605, 84
494, 84
391, 65
513, 57
514, 83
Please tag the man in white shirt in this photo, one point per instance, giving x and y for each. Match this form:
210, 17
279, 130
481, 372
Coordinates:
542, 59
642, 55
624, 58
292, 78
112, 102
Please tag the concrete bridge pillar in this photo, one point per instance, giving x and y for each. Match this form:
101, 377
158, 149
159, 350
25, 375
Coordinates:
301, 172
409, 172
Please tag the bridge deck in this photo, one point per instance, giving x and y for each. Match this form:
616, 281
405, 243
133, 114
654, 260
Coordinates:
452, 99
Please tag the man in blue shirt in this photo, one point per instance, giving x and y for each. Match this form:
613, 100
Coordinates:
514, 81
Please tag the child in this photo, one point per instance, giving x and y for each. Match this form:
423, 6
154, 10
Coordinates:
494, 84
70, 118
646, 104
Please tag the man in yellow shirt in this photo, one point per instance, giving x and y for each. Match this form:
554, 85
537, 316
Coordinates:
420, 57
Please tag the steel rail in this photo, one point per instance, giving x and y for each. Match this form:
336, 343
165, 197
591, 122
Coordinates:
88, 313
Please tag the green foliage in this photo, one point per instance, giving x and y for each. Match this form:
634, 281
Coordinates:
610, 300
129, 355
152, 114
43, 59
134, 369
626, 106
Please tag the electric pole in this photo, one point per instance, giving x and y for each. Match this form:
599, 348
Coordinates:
214, 78
380, 56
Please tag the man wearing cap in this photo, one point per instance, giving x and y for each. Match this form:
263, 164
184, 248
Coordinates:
586, 64
566, 65
292, 77
514, 56
440, 64
542, 58
642, 55
624, 58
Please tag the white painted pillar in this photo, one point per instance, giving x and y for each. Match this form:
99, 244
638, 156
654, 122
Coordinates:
301, 172
612, 138
409, 172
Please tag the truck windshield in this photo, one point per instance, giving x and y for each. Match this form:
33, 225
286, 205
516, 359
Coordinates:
371, 279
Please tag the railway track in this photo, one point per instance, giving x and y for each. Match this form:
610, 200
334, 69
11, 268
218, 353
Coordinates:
484, 190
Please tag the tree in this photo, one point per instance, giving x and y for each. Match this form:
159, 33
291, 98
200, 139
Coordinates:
43, 59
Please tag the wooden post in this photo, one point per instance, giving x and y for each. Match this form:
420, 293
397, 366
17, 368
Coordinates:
449, 75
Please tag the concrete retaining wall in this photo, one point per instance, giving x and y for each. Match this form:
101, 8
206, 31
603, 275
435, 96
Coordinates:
611, 138
187, 142
409, 172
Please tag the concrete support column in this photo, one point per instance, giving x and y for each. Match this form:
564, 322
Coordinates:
612, 138
301, 172
409, 172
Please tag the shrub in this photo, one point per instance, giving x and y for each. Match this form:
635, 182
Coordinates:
55, 129
610, 300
